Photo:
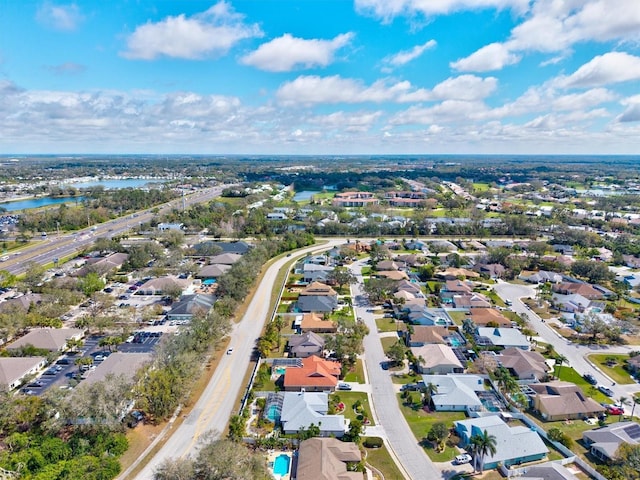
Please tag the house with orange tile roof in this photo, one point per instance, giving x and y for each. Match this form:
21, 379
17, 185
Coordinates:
315, 375
485, 316
312, 322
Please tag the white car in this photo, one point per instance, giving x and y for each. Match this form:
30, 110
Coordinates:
462, 459
230, 351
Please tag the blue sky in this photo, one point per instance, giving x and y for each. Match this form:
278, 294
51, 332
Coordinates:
320, 76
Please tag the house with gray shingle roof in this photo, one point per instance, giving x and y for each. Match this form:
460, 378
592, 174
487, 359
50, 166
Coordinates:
455, 392
514, 445
119, 364
52, 339
501, 337
305, 345
14, 369
604, 442
300, 409
189, 305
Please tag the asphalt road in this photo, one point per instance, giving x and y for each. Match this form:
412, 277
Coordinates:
218, 402
412, 457
574, 353
54, 246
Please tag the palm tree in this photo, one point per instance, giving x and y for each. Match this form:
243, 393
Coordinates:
468, 326
429, 391
636, 401
623, 401
560, 359
483, 444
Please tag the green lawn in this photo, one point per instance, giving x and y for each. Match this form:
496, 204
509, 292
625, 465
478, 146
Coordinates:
421, 422
617, 373
493, 296
568, 374
480, 187
387, 342
366, 271
387, 324
349, 398
405, 378
457, 317
357, 374
380, 459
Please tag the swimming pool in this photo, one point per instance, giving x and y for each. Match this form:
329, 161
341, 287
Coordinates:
273, 414
281, 464
455, 342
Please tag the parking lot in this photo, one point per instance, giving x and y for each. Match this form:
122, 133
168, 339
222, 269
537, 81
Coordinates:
142, 342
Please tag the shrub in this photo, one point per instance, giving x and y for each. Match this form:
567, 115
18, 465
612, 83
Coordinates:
372, 442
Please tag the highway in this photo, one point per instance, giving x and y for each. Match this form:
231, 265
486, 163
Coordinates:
219, 400
58, 247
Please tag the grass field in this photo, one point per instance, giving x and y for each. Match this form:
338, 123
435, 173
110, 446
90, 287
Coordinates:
568, 374
380, 459
357, 374
457, 317
349, 398
421, 422
617, 373
386, 324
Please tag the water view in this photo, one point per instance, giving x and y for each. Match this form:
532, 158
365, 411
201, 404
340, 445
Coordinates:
37, 203
304, 195
115, 184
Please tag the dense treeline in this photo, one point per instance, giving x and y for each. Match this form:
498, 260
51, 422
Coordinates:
42, 446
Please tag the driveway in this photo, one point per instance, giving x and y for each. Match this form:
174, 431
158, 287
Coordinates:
411, 456
575, 354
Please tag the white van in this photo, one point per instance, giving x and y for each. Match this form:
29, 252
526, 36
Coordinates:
4, 258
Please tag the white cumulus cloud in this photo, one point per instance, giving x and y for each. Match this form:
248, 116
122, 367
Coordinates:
59, 17
211, 33
312, 89
406, 56
287, 53
386, 10
494, 56
610, 68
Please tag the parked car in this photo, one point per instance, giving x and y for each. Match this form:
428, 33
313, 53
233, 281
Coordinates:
99, 358
50, 371
462, 459
606, 390
344, 386
613, 410
134, 417
64, 361
590, 378
230, 351
28, 391
36, 384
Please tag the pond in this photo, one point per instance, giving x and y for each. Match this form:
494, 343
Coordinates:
116, 184
304, 195
37, 203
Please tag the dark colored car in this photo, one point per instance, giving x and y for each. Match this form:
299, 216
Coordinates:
36, 384
590, 379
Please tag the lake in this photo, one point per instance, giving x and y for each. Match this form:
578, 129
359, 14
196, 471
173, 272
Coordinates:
115, 184
304, 195
37, 203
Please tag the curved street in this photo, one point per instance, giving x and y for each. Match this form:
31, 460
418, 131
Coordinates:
575, 353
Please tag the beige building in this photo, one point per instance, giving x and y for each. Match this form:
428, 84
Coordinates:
326, 459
